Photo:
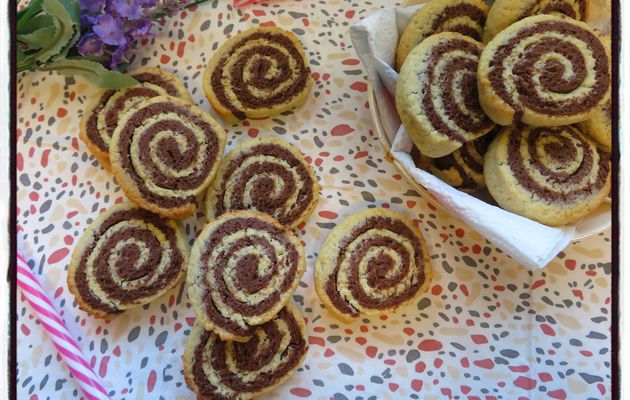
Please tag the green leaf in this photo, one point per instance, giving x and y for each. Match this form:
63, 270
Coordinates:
35, 23
38, 39
66, 32
72, 7
23, 61
33, 8
93, 71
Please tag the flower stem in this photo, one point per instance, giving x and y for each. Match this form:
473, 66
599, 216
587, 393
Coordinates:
164, 13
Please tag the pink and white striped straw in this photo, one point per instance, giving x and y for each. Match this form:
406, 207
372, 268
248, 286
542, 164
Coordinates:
58, 332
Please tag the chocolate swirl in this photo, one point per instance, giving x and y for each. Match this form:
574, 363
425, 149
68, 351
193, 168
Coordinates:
127, 257
256, 71
544, 70
463, 169
119, 103
267, 175
556, 170
505, 12
443, 78
221, 370
576, 9
462, 16
102, 115
244, 267
164, 152
373, 261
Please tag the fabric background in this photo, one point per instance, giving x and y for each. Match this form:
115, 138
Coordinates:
487, 328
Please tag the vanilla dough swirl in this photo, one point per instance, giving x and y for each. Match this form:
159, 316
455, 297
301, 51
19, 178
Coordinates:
257, 73
544, 70
126, 258
102, 115
227, 370
243, 269
164, 152
436, 96
372, 262
267, 175
553, 175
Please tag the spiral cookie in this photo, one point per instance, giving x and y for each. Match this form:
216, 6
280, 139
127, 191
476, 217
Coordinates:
226, 370
243, 269
101, 117
257, 73
268, 175
127, 257
552, 175
436, 94
599, 127
164, 152
545, 70
504, 13
463, 169
373, 261
463, 16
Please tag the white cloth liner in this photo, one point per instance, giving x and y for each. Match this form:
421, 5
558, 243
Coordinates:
530, 243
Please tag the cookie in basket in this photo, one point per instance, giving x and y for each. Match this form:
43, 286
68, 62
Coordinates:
244, 268
599, 127
165, 152
218, 369
463, 16
553, 175
463, 169
268, 175
126, 258
504, 13
259, 72
372, 262
436, 94
102, 115
544, 70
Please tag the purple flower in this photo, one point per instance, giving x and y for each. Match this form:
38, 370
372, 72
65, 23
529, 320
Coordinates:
147, 3
112, 27
91, 6
111, 30
126, 8
140, 29
118, 56
88, 20
90, 45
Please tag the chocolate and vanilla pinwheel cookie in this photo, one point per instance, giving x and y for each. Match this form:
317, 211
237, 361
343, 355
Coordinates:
544, 70
268, 175
553, 175
504, 13
164, 153
225, 370
436, 94
126, 258
372, 262
463, 169
102, 115
599, 127
243, 269
463, 16
257, 73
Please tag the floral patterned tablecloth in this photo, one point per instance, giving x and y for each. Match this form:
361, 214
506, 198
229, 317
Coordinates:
487, 328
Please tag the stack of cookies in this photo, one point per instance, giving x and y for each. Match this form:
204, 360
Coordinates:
244, 267
246, 263
514, 98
